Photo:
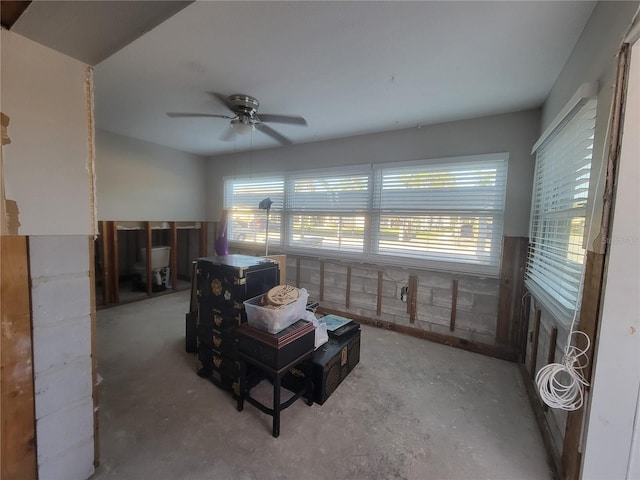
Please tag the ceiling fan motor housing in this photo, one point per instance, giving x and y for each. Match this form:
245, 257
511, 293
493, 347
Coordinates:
244, 104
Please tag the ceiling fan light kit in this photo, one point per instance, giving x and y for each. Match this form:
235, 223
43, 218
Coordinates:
242, 126
246, 117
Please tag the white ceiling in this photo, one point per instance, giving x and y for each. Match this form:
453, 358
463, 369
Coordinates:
348, 67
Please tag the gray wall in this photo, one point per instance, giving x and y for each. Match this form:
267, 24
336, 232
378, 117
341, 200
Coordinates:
139, 180
514, 133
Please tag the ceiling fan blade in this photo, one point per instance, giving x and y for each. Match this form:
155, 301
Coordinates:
224, 100
273, 134
195, 115
288, 119
228, 134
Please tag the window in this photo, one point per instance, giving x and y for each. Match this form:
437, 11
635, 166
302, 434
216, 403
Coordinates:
449, 212
560, 193
246, 222
328, 209
441, 214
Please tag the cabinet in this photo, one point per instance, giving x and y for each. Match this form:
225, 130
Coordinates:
223, 284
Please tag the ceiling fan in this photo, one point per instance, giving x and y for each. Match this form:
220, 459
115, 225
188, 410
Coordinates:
245, 117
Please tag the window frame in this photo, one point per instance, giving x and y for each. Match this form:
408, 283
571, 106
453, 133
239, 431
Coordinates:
371, 215
555, 262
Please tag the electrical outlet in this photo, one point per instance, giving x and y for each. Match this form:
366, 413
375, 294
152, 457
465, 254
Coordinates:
404, 292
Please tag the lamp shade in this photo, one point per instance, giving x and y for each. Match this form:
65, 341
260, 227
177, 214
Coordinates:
241, 126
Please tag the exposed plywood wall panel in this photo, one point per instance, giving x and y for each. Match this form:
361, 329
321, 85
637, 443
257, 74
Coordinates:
17, 410
47, 165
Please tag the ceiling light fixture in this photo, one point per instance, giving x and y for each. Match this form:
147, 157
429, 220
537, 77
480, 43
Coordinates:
242, 125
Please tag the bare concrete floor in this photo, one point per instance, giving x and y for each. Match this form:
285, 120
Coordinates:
410, 410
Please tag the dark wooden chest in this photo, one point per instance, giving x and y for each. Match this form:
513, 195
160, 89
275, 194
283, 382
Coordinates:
223, 284
276, 350
331, 364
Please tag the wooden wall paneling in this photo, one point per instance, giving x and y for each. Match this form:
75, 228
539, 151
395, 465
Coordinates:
17, 409
589, 314
347, 301
321, 280
519, 322
106, 263
148, 259
534, 344
174, 256
379, 303
505, 293
454, 304
94, 357
115, 263
203, 239
551, 353
413, 298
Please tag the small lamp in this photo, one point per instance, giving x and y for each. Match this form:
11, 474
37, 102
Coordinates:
266, 205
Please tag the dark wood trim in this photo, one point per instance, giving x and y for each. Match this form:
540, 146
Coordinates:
173, 261
347, 300
321, 280
534, 345
203, 239
484, 349
454, 304
589, 316
553, 339
17, 397
11, 10
505, 293
413, 298
148, 259
379, 302
520, 325
553, 457
115, 263
94, 356
106, 263
551, 353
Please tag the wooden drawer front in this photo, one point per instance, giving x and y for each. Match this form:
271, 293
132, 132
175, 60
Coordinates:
220, 320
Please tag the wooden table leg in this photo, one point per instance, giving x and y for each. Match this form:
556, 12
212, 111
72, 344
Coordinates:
242, 385
308, 382
276, 406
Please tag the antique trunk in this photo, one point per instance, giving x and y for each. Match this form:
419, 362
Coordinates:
331, 364
279, 349
223, 284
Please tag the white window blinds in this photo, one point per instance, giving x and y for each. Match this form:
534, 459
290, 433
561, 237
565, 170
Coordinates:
328, 209
451, 212
444, 214
560, 193
246, 222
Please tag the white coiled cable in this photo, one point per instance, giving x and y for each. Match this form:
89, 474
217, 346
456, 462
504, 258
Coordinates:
561, 385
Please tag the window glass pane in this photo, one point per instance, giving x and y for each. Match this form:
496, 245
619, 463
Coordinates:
561, 190
247, 222
328, 232
443, 237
